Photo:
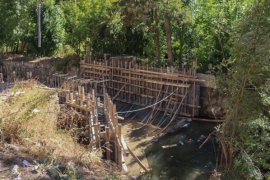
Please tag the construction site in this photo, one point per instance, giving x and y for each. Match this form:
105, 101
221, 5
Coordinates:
127, 109
134, 89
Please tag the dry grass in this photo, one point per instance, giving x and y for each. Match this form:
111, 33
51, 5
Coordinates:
30, 120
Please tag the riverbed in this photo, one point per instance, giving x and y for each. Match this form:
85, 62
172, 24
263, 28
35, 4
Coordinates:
171, 156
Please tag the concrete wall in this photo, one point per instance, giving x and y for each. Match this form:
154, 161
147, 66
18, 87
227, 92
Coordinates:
211, 101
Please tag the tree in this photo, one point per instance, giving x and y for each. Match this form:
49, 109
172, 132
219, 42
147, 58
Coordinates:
247, 85
15, 25
19, 27
53, 33
213, 25
169, 39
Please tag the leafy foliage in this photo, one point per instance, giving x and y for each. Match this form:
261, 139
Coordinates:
199, 30
19, 30
247, 84
53, 33
15, 25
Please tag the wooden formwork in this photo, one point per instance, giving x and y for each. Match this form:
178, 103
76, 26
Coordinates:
114, 134
71, 82
142, 85
106, 130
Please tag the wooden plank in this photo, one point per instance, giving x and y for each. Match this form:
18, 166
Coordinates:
137, 160
208, 120
124, 145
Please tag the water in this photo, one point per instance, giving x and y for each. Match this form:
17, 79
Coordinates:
183, 162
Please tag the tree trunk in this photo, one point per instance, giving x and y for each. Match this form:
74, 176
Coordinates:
158, 46
181, 42
168, 39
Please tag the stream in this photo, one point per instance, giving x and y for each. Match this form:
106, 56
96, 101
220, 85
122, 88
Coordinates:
174, 156
183, 162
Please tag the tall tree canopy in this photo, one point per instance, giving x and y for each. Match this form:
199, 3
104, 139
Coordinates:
164, 31
246, 131
18, 30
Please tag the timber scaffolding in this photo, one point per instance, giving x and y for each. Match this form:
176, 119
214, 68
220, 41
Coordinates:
99, 121
164, 89
167, 90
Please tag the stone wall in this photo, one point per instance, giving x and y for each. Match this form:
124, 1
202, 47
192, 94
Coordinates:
211, 101
18, 67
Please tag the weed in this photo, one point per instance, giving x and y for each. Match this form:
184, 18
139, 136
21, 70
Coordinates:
37, 131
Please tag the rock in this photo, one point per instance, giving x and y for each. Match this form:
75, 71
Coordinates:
35, 110
16, 173
35, 169
15, 170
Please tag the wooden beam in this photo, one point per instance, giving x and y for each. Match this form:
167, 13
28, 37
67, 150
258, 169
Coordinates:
208, 120
137, 160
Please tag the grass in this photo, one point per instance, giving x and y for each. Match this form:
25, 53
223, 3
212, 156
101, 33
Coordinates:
29, 119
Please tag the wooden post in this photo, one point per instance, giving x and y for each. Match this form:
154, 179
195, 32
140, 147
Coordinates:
71, 98
107, 135
76, 98
79, 89
119, 132
83, 93
13, 76
193, 99
57, 81
119, 160
88, 101
67, 97
80, 100
95, 115
96, 126
114, 118
98, 135
116, 151
119, 148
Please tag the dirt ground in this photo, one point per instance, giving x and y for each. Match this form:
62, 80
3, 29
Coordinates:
138, 139
142, 141
31, 146
12, 166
